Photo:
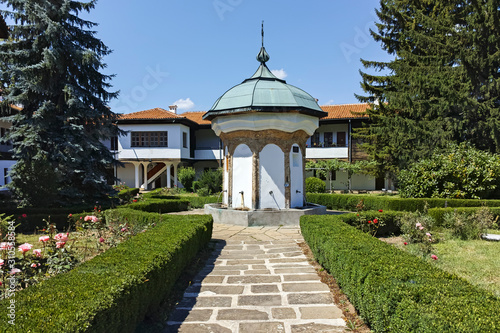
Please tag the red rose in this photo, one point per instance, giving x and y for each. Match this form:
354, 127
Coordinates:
375, 221
380, 210
369, 221
406, 243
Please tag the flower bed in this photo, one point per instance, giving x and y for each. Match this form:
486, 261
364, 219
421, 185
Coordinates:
115, 290
395, 291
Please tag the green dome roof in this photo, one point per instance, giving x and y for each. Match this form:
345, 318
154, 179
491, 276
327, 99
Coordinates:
264, 92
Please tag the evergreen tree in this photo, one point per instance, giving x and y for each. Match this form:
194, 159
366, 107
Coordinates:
443, 84
51, 68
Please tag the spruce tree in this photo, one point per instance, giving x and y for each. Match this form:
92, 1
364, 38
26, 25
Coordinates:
51, 68
442, 85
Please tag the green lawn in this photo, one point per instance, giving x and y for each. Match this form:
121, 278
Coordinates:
477, 261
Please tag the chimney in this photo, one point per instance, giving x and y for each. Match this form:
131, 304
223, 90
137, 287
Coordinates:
172, 108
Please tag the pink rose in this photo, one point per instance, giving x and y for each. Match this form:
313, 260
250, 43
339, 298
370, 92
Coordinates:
61, 237
428, 234
44, 239
33, 265
1, 262
418, 225
38, 253
25, 247
24, 216
434, 257
5, 246
101, 240
60, 245
421, 228
124, 229
15, 271
91, 218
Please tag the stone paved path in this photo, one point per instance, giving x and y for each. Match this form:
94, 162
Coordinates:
257, 280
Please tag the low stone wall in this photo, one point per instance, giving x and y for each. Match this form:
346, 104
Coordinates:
290, 217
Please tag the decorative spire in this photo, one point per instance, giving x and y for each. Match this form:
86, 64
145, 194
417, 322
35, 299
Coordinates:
263, 56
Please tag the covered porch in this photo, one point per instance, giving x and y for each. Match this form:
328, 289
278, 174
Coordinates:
148, 175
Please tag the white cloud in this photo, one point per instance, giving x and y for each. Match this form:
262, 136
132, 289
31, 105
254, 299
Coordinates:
279, 73
330, 102
184, 104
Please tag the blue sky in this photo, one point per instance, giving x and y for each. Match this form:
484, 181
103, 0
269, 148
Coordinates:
192, 51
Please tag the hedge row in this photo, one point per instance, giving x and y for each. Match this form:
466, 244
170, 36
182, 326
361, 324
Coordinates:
349, 202
160, 205
438, 213
395, 291
115, 290
128, 193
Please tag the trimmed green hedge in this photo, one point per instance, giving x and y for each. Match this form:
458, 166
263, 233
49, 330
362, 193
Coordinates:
200, 202
395, 291
128, 193
438, 213
115, 290
159, 205
349, 202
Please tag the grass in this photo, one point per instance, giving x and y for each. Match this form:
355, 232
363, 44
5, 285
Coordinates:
477, 261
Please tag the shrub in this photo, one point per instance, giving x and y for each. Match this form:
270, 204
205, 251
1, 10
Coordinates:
416, 229
469, 225
315, 185
211, 180
460, 172
115, 290
127, 194
349, 202
186, 177
395, 291
160, 206
439, 213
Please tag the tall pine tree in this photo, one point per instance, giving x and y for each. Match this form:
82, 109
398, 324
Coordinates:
443, 84
51, 68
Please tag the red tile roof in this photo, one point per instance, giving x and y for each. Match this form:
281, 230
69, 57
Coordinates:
196, 117
156, 113
345, 111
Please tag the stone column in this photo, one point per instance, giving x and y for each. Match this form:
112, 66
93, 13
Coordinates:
255, 181
136, 178
288, 181
145, 166
169, 185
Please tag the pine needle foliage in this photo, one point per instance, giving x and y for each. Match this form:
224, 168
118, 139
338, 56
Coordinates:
51, 69
443, 84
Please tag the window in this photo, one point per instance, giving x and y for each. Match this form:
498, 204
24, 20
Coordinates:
114, 143
328, 139
5, 176
149, 139
315, 139
184, 139
341, 139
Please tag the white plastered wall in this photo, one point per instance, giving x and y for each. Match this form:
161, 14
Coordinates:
296, 179
272, 177
242, 177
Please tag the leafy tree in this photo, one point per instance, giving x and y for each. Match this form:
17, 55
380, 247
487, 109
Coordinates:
461, 172
51, 67
186, 177
442, 85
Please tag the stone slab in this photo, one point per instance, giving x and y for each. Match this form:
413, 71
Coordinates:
283, 313
269, 327
320, 312
310, 298
259, 300
241, 314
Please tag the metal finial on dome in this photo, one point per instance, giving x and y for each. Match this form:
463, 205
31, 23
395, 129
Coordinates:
263, 56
